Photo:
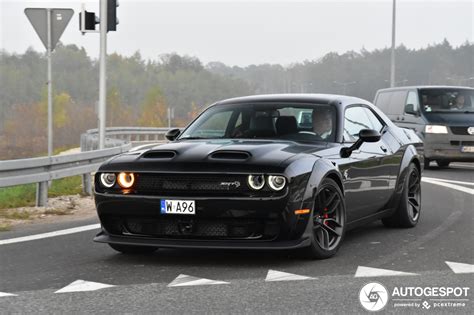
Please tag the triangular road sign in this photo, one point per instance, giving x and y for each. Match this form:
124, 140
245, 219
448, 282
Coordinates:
39, 19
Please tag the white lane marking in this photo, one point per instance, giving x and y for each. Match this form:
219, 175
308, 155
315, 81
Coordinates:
451, 181
275, 275
462, 165
448, 185
460, 267
82, 286
49, 234
2, 294
185, 280
377, 272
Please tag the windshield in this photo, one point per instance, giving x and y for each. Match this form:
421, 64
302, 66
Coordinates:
297, 122
447, 100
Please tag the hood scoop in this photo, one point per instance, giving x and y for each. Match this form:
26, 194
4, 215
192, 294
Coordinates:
230, 155
161, 154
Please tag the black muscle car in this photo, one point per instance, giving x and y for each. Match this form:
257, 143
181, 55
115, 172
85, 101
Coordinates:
263, 172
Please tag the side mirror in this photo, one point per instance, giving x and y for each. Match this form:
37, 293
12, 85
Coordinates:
410, 109
172, 134
365, 135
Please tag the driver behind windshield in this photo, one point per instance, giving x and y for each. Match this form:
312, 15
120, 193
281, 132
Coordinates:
322, 122
459, 102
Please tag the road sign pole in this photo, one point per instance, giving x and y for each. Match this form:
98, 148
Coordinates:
102, 74
50, 87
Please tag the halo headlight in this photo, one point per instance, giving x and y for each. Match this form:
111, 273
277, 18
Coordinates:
107, 179
126, 180
276, 182
256, 182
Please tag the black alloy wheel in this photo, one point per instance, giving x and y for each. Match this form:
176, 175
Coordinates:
328, 220
408, 212
414, 194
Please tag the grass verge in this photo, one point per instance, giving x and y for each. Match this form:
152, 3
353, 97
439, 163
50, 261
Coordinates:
25, 195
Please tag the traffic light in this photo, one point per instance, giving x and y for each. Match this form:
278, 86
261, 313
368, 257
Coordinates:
87, 21
112, 20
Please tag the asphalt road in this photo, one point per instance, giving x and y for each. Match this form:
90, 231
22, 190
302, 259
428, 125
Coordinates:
34, 270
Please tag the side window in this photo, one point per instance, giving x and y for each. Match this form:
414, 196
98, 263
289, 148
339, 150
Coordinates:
376, 124
413, 100
355, 119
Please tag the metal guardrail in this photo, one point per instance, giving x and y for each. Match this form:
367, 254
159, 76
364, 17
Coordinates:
118, 135
42, 170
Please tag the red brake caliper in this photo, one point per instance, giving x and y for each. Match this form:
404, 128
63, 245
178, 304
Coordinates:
325, 215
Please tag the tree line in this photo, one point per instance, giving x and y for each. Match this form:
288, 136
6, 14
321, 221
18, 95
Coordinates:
140, 91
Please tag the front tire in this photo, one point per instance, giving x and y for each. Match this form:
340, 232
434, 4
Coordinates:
133, 250
427, 164
408, 212
442, 163
328, 221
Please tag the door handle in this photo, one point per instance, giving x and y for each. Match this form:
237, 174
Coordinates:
398, 118
403, 118
383, 148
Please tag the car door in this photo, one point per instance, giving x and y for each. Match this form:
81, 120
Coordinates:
411, 120
366, 172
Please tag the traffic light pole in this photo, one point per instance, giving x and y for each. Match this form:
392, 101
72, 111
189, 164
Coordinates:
102, 73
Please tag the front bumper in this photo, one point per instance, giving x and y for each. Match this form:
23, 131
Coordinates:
448, 147
240, 223
103, 237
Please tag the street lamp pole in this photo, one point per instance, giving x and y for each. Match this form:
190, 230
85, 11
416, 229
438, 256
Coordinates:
392, 59
102, 72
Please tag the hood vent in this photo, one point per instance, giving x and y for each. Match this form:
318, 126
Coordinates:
159, 155
230, 155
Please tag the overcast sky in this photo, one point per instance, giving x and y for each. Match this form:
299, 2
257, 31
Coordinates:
251, 32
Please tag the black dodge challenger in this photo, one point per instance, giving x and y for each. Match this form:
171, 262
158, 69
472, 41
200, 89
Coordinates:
291, 171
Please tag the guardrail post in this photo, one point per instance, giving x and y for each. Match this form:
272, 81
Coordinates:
87, 184
42, 194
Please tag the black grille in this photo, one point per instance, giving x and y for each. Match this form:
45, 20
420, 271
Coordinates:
460, 131
198, 185
173, 227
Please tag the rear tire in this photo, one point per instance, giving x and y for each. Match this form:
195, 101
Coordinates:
133, 250
328, 221
442, 163
408, 212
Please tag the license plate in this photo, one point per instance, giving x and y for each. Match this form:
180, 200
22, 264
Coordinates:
467, 149
178, 207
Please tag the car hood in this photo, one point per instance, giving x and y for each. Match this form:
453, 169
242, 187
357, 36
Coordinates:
215, 155
451, 119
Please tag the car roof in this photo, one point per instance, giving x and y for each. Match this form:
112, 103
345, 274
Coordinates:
339, 100
425, 87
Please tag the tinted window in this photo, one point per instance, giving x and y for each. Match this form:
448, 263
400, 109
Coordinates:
376, 124
355, 119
